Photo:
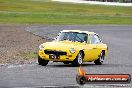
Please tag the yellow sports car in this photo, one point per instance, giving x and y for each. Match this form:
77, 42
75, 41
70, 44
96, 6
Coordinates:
73, 46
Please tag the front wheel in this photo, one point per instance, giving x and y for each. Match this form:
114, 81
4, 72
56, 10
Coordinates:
100, 60
78, 60
42, 62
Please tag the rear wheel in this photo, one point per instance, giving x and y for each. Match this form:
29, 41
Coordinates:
42, 62
78, 60
100, 60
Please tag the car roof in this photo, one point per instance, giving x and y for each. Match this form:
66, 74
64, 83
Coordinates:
79, 31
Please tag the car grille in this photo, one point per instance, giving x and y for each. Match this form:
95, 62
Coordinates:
55, 52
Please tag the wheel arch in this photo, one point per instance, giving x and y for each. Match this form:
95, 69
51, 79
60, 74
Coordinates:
103, 52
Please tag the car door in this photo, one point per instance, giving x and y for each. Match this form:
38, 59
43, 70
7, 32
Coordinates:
92, 48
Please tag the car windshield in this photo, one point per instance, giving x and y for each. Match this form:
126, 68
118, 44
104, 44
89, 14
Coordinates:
72, 36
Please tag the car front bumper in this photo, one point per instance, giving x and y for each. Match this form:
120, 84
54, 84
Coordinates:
68, 57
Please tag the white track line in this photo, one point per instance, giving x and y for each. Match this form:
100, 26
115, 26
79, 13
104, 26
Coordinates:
96, 2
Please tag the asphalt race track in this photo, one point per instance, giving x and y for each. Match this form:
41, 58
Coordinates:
118, 60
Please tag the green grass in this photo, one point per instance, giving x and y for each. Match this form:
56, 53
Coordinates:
47, 12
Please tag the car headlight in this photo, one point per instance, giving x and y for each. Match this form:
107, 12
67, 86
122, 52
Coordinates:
41, 47
72, 50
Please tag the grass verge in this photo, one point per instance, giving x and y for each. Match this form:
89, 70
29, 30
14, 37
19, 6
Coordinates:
47, 12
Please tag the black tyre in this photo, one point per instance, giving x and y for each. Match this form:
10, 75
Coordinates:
100, 60
42, 62
78, 60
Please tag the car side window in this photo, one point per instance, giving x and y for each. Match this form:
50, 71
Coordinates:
94, 39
